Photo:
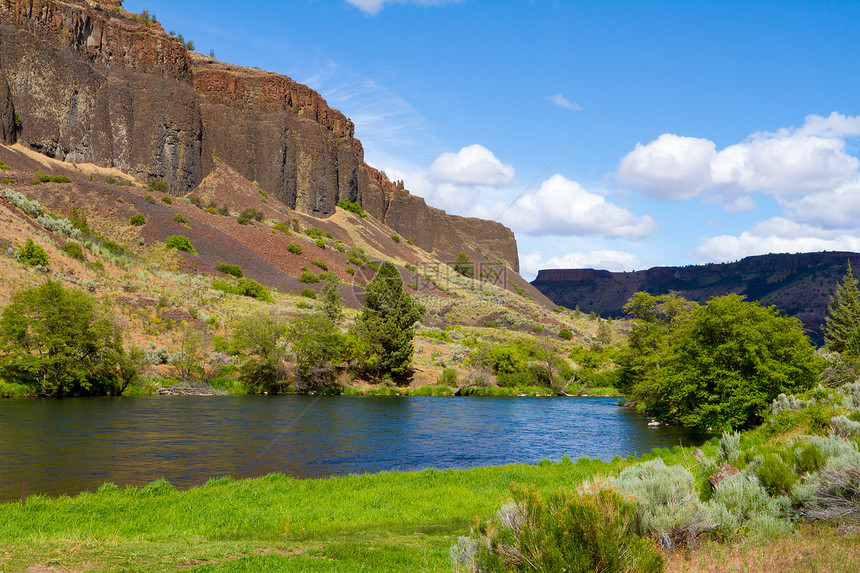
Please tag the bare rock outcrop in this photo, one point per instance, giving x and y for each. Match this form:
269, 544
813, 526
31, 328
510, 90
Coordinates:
85, 81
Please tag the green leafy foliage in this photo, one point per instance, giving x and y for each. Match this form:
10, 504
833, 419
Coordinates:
463, 265
181, 243
166, 198
137, 219
55, 340
574, 532
43, 178
32, 254
352, 208
228, 269
386, 323
160, 187
74, 250
244, 287
316, 344
309, 293
715, 366
565, 334
316, 233
181, 219
261, 337
295, 248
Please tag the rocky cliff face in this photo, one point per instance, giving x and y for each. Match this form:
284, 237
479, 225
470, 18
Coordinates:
798, 284
88, 82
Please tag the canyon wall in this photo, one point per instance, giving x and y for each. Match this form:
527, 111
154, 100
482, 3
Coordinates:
798, 284
86, 81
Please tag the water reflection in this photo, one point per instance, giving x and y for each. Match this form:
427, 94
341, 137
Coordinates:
65, 446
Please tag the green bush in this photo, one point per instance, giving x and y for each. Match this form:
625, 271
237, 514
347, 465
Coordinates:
74, 250
167, 199
137, 219
309, 277
159, 186
181, 243
244, 287
775, 476
282, 227
316, 233
309, 293
149, 198
181, 219
395, 238
350, 271
448, 377
249, 214
320, 264
567, 532
295, 248
352, 208
565, 333
320, 243
4, 166
32, 254
43, 178
233, 270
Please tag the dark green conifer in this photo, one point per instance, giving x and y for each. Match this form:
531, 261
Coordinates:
386, 323
843, 315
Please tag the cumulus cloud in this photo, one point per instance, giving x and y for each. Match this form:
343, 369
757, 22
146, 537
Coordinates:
788, 162
563, 207
606, 259
372, 7
670, 167
562, 101
472, 165
777, 235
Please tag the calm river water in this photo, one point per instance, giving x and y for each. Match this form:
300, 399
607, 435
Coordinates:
66, 446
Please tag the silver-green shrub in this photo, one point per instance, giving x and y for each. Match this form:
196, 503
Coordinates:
31, 208
845, 428
789, 403
667, 503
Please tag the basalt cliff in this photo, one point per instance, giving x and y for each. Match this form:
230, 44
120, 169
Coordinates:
798, 284
89, 82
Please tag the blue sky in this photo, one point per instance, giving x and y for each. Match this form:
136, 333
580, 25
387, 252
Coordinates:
617, 135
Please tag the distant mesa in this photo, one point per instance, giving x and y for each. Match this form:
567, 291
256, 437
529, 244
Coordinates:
798, 284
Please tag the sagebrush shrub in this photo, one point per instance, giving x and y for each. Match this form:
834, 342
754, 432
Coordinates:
567, 532
180, 242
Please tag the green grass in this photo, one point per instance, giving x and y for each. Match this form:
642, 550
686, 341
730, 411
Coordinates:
387, 522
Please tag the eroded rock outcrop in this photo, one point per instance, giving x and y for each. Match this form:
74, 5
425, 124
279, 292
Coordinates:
86, 81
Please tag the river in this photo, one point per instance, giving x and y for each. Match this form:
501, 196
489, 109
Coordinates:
70, 445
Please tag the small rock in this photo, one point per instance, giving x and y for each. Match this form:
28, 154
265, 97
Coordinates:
718, 476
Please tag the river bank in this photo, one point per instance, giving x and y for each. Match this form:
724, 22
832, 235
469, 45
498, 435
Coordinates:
387, 522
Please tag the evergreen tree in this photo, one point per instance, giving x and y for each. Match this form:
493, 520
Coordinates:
386, 323
332, 301
843, 315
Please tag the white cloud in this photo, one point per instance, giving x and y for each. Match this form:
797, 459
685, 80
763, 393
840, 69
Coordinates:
670, 167
777, 235
606, 259
835, 209
563, 207
472, 165
372, 7
785, 163
562, 101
